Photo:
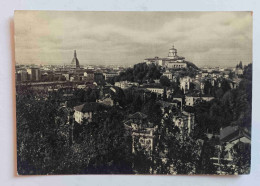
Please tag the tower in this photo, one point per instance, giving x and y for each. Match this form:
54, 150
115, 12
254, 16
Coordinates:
75, 61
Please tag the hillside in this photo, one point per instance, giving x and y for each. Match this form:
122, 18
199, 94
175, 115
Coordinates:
191, 65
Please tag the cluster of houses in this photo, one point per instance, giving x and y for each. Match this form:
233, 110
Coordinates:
137, 125
143, 132
71, 72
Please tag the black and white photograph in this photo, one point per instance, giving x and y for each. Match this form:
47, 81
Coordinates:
133, 92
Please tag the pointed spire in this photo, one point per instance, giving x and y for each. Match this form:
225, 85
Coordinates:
75, 60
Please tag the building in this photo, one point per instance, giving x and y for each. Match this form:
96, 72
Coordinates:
155, 60
67, 76
229, 137
122, 84
173, 61
125, 84
204, 74
34, 74
106, 101
156, 90
185, 122
82, 86
185, 83
142, 132
176, 65
178, 99
22, 75
85, 111
164, 105
99, 77
88, 75
232, 135
168, 74
239, 71
235, 83
75, 61
110, 75
192, 100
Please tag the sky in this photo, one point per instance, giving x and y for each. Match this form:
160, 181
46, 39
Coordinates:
127, 38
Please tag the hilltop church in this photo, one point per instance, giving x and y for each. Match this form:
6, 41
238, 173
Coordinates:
173, 61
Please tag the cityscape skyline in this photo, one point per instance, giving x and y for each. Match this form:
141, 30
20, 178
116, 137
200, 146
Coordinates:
132, 37
87, 113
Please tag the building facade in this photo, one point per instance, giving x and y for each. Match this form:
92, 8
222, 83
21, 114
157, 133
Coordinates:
172, 61
34, 74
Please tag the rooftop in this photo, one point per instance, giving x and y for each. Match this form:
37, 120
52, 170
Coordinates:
138, 115
231, 133
90, 107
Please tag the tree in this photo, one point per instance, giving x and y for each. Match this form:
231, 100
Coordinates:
40, 139
192, 86
205, 163
142, 162
165, 81
141, 72
207, 88
225, 85
241, 153
108, 150
231, 75
153, 111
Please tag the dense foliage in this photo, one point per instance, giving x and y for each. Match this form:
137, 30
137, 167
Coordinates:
231, 106
49, 141
140, 73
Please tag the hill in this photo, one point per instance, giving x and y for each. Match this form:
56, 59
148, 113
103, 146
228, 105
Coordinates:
191, 65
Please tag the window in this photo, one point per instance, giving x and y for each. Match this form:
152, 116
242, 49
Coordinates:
148, 141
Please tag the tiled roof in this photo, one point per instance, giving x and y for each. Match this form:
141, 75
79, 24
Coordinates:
165, 104
138, 115
90, 107
232, 133
153, 85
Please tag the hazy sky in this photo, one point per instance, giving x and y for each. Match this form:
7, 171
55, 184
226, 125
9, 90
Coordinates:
204, 38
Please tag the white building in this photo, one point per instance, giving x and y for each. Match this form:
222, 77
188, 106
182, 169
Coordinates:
229, 137
158, 91
172, 61
110, 75
168, 74
185, 83
125, 84
34, 74
191, 100
82, 112
86, 110
142, 132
